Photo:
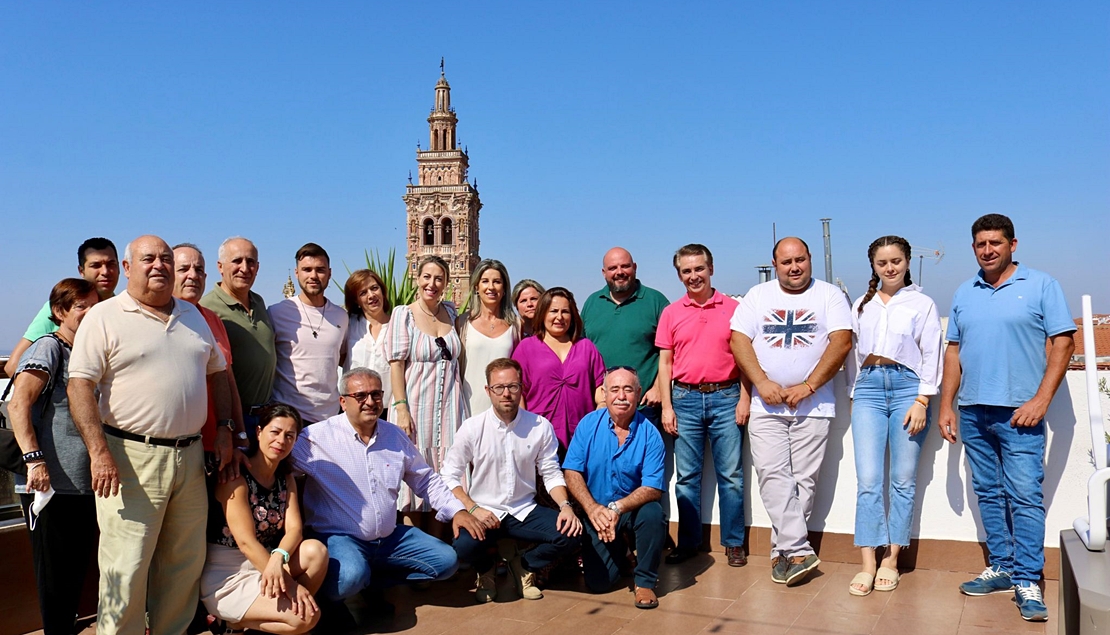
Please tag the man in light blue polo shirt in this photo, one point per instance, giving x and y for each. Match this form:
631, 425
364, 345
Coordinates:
997, 360
614, 469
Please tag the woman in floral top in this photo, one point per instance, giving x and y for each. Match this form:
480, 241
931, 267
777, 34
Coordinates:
259, 573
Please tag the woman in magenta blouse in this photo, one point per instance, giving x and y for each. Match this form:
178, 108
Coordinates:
563, 372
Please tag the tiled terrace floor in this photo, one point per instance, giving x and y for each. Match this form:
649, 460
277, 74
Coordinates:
704, 595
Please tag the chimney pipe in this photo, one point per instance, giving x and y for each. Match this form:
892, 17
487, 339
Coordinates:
828, 250
764, 273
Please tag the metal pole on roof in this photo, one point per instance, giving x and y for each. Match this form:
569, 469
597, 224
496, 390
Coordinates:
828, 249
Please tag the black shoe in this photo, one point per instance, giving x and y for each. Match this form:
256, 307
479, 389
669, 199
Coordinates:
678, 555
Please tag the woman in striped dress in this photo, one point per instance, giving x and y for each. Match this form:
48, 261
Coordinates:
423, 350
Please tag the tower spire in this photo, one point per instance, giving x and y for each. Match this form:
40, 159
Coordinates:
441, 67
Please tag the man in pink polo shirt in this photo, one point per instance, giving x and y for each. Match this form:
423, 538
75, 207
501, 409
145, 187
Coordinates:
703, 396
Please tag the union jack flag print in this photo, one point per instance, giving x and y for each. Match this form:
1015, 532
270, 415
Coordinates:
790, 328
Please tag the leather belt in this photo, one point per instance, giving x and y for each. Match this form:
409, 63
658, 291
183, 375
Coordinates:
708, 386
183, 442
254, 411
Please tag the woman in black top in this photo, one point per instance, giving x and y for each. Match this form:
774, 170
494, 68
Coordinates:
259, 573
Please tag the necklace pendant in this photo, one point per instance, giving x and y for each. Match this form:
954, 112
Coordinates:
315, 335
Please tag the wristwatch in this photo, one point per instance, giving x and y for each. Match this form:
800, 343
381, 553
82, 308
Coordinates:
242, 435
615, 507
226, 423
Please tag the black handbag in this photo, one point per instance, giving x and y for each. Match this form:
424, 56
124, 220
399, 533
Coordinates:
11, 457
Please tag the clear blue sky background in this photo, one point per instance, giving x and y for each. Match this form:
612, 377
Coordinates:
644, 124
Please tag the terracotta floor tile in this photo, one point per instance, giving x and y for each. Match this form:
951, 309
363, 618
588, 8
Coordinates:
488, 625
999, 612
618, 604
722, 582
684, 616
759, 611
835, 597
578, 624
822, 621
542, 610
918, 621
812, 586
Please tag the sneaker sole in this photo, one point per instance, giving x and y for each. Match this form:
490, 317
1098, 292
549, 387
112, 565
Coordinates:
799, 576
976, 594
1035, 618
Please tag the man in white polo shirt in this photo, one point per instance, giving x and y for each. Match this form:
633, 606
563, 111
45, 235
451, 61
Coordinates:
790, 336
150, 357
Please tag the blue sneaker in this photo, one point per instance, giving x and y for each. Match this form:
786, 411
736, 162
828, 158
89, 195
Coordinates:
991, 580
1028, 598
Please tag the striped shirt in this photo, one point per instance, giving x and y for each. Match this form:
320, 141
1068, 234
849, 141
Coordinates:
352, 487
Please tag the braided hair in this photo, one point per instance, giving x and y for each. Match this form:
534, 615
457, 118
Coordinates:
873, 286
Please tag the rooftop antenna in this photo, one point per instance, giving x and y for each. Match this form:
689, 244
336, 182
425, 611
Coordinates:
932, 254
828, 249
441, 67
774, 237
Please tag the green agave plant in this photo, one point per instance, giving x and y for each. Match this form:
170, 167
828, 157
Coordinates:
399, 287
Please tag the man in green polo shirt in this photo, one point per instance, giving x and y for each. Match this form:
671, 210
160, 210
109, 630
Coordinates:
249, 330
97, 262
621, 319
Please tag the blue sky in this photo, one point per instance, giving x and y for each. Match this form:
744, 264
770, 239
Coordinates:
644, 124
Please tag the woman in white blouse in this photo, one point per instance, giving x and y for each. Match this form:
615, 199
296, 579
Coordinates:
898, 357
487, 330
364, 297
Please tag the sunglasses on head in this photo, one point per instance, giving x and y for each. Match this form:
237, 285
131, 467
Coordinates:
442, 344
613, 369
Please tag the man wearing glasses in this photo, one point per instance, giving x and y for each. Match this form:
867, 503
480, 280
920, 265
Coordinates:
355, 464
505, 448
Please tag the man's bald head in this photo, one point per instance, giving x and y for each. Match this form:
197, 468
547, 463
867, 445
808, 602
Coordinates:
619, 271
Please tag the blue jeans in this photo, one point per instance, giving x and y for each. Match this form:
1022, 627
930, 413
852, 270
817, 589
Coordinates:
406, 555
1007, 470
538, 527
883, 395
712, 415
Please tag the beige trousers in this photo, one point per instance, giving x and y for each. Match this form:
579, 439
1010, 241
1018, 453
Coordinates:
152, 541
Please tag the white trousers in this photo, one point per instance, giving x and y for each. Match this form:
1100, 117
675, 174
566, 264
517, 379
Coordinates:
787, 452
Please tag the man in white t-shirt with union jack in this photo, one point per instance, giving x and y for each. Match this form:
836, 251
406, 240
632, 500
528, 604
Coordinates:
790, 336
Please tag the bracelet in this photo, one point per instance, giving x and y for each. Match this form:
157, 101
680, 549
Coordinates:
242, 448
399, 402
918, 403
36, 455
806, 384
471, 510
565, 503
922, 400
31, 466
284, 555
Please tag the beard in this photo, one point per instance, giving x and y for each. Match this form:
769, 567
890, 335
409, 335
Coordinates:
622, 287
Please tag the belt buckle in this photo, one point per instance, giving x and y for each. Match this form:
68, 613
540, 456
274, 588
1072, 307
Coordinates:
707, 388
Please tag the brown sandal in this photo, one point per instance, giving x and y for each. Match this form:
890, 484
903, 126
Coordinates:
645, 598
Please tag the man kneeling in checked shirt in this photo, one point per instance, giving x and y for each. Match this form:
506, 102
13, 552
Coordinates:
506, 446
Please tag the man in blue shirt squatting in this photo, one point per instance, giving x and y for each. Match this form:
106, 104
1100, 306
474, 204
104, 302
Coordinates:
614, 469
997, 360
355, 463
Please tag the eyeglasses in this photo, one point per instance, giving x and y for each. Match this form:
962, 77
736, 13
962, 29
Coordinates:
360, 397
499, 389
446, 352
613, 369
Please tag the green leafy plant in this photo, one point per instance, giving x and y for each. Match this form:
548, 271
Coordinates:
399, 288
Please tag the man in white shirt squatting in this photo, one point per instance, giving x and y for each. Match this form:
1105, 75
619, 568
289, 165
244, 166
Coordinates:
505, 447
355, 463
790, 337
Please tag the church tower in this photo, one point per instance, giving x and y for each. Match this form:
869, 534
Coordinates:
442, 207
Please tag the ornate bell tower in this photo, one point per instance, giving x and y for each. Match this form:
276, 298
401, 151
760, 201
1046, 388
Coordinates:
442, 206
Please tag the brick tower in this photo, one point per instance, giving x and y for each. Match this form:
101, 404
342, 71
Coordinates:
442, 207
